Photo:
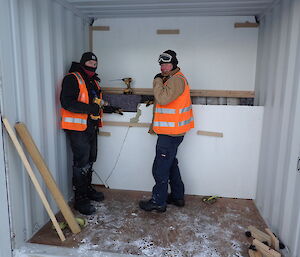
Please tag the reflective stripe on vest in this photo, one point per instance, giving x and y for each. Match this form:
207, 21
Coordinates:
186, 109
176, 117
75, 120
163, 124
185, 122
165, 110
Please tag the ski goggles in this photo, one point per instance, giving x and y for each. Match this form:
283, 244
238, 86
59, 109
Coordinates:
164, 57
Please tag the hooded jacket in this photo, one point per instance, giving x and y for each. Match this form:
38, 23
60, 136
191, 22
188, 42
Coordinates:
70, 91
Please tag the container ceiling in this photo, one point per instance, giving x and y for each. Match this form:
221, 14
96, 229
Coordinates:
162, 8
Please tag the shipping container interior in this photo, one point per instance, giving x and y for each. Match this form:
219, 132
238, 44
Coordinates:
242, 61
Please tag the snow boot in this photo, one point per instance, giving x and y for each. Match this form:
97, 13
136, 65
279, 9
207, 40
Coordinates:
80, 186
91, 192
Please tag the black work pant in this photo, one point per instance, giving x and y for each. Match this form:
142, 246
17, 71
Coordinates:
165, 170
84, 146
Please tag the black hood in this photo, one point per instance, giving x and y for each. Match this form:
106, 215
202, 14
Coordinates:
77, 67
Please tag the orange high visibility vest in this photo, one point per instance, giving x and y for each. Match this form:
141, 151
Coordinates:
176, 117
78, 121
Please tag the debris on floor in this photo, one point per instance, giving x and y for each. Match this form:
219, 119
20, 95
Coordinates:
198, 229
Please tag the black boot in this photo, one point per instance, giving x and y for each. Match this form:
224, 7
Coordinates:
91, 192
82, 202
177, 202
149, 205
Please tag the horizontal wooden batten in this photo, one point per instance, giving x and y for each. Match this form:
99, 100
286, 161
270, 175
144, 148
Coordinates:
194, 92
168, 31
100, 28
246, 24
126, 124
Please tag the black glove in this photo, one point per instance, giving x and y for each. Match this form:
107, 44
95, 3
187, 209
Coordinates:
112, 109
94, 109
158, 75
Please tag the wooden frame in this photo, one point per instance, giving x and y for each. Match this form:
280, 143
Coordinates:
194, 92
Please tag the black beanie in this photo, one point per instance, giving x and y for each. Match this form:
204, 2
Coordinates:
174, 60
87, 57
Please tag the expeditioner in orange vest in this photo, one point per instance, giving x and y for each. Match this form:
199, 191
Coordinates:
172, 118
81, 117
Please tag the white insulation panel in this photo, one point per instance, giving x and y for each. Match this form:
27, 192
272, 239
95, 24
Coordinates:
224, 166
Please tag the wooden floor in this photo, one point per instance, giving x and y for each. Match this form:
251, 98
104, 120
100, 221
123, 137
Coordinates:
198, 229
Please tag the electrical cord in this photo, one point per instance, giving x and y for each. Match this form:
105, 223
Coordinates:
113, 169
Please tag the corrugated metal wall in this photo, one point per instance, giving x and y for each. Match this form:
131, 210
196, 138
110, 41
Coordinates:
42, 38
277, 88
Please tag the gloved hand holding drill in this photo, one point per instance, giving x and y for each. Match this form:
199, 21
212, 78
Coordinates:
101, 104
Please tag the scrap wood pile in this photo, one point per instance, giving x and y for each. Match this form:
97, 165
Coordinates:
264, 244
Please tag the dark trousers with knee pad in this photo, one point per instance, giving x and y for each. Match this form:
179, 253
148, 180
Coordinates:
165, 170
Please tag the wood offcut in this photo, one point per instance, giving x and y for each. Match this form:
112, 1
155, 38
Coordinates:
210, 134
167, 31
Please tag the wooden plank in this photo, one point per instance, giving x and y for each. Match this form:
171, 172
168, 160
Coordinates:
210, 134
274, 239
33, 178
223, 93
265, 250
253, 253
246, 24
168, 31
194, 92
47, 176
100, 28
104, 133
259, 235
125, 124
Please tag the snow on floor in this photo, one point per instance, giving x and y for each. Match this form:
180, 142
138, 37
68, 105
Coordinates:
198, 229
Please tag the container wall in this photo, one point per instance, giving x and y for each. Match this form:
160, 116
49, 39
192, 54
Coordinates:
212, 53
277, 89
41, 40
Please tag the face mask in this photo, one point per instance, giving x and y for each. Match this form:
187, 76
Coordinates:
92, 69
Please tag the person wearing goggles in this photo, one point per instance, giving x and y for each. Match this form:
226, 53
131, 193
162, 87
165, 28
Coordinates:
172, 118
164, 58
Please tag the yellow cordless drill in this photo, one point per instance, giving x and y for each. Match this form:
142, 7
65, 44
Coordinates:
101, 103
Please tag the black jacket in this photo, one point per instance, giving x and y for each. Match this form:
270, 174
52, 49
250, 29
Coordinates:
70, 91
